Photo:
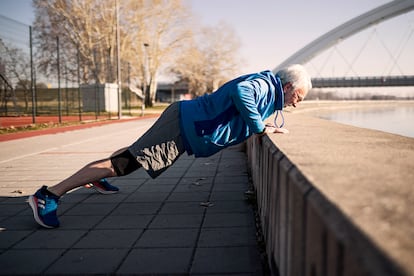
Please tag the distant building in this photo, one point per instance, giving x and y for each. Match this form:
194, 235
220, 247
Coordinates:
172, 92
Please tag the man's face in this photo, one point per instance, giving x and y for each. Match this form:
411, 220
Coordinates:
292, 97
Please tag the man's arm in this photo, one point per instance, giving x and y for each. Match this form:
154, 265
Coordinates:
245, 99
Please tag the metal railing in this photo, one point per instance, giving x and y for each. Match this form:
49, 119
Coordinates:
363, 81
26, 91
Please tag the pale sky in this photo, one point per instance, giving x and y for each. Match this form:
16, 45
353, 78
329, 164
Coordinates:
272, 30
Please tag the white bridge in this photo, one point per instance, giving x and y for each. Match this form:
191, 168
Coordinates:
347, 29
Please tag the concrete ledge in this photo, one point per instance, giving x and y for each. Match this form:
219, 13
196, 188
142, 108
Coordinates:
335, 199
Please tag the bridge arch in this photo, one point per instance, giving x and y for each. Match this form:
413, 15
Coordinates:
343, 31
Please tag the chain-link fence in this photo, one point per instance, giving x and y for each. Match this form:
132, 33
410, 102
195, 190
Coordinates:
25, 91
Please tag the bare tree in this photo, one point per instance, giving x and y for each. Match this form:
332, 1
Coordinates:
153, 33
209, 60
157, 29
190, 68
221, 46
90, 26
17, 65
87, 26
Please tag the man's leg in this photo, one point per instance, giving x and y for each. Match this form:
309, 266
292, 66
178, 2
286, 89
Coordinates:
162, 140
44, 202
92, 172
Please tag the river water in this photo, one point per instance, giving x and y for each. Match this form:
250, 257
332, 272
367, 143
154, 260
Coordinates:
394, 119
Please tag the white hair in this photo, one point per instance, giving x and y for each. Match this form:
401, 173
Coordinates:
297, 75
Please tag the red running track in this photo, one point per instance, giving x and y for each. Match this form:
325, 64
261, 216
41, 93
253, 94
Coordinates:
27, 120
86, 123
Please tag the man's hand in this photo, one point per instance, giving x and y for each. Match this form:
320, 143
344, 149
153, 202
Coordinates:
280, 130
272, 129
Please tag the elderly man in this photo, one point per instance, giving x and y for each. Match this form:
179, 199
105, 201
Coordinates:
202, 127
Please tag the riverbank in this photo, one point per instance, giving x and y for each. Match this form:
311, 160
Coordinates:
388, 116
318, 108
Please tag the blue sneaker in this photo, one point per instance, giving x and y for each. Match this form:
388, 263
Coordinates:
103, 187
44, 206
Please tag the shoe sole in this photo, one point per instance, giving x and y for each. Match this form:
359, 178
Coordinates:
33, 203
104, 192
99, 190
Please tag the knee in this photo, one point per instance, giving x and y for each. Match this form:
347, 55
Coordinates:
124, 163
104, 164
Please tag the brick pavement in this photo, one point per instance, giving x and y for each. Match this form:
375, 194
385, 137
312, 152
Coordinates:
192, 220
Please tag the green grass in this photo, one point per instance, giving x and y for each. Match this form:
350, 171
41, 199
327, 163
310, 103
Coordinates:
31, 127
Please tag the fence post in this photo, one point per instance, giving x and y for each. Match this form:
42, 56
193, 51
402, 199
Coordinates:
79, 90
58, 75
32, 78
118, 61
66, 90
128, 95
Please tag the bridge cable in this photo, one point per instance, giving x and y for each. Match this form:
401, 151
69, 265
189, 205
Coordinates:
346, 60
389, 52
322, 67
371, 35
401, 47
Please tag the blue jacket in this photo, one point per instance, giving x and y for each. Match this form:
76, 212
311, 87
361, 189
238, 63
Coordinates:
231, 114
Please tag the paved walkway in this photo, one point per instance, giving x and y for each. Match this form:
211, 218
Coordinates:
192, 220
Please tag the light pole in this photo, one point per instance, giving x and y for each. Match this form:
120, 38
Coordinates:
118, 62
146, 78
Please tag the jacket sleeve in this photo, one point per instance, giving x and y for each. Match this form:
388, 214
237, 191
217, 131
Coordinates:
245, 98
